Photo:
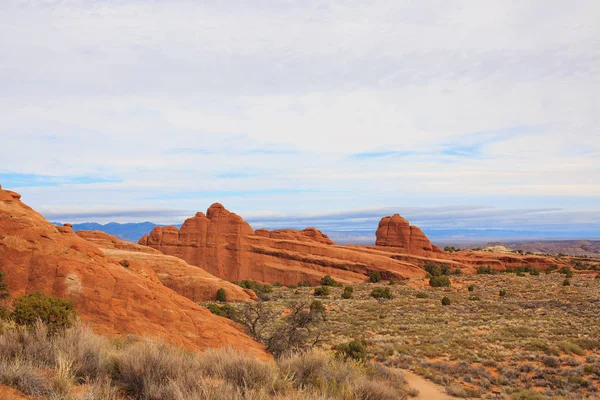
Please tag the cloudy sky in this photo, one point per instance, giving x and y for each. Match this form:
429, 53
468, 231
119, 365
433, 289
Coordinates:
460, 114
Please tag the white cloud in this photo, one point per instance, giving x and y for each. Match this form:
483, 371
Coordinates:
119, 88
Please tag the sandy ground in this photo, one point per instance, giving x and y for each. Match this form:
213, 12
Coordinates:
427, 389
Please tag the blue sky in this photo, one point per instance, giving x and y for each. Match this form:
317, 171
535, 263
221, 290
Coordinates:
130, 110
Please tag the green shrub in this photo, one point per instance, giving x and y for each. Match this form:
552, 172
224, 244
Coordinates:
597, 276
381, 293
474, 298
551, 268
566, 282
566, 271
485, 270
225, 310
520, 273
277, 284
257, 287
374, 277
292, 286
321, 291
471, 288
457, 271
327, 280
317, 307
446, 301
392, 282
437, 270
347, 293
55, 312
422, 295
124, 263
305, 284
355, 350
502, 293
221, 295
439, 281
534, 272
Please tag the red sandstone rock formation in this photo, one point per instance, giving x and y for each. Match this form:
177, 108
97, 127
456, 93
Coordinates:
395, 231
308, 234
223, 244
187, 280
37, 256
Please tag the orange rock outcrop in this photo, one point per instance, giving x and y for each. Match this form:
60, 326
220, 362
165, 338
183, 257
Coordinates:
190, 281
113, 300
395, 231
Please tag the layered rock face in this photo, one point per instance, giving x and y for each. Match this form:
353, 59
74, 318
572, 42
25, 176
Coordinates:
212, 242
305, 235
190, 281
223, 244
114, 300
395, 231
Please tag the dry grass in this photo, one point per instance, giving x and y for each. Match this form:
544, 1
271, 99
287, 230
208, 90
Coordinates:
78, 365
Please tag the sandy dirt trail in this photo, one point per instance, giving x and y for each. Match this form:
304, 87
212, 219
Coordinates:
427, 389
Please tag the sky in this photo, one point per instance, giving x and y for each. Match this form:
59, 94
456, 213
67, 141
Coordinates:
457, 114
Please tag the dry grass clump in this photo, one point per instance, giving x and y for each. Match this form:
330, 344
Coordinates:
76, 364
321, 374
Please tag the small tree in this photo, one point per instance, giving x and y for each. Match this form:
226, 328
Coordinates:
381, 293
439, 281
221, 295
124, 263
502, 293
422, 295
374, 277
54, 311
471, 288
566, 282
446, 301
347, 293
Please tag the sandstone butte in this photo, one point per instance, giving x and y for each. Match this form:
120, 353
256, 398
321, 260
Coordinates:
112, 299
225, 245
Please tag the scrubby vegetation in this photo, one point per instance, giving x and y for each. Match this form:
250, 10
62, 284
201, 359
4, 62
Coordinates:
381, 293
327, 280
374, 277
221, 295
347, 293
523, 336
439, 281
261, 290
55, 312
76, 364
